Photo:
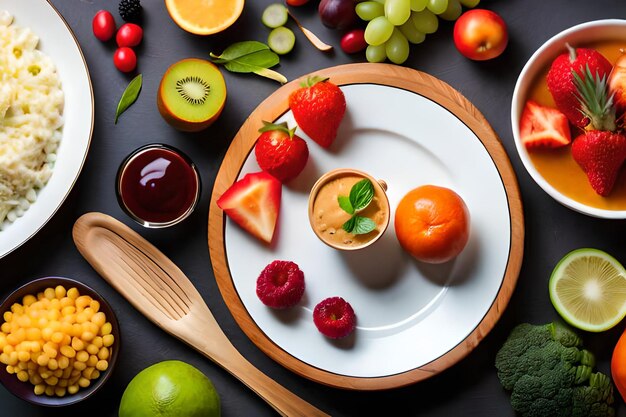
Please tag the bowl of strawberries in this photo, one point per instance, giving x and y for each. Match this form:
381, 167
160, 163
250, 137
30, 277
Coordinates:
568, 118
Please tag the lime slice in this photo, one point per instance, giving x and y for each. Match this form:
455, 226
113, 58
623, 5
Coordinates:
588, 289
274, 15
281, 40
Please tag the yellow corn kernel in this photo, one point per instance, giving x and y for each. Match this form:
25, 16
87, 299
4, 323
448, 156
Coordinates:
36, 379
63, 383
98, 342
50, 349
17, 309
73, 293
35, 347
68, 351
77, 330
91, 327
5, 327
75, 372
33, 334
43, 359
98, 319
103, 353
68, 311
59, 291
22, 376
81, 317
67, 372
46, 333
88, 336
7, 316
66, 302
53, 364
72, 389
92, 349
42, 322
106, 328
39, 389
55, 304
107, 340
28, 300
32, 366
92, 361
10, 369
58, 373
79, 366
49, 293
67, 339
49, 391
83, 301
87, 372
84, 382
77, 343
82, 356
23, 356
95, 375
24, 321
102, 365
8, 348
53, 315
40, 296
63, 361
95, 305
44, 372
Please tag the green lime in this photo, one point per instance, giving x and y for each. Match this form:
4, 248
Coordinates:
170, 389
588, 289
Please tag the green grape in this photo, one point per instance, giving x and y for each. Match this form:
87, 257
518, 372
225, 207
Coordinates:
376, 53
453, 11
380, 1
378, 30
397, 47
470, 3
418, 5
425, 21
413, 35
437, 6
369, 10
397, 11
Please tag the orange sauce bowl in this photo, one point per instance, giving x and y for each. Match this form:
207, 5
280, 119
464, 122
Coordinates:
326, 216
555, 171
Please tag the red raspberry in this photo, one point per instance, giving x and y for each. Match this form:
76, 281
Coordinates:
280, 285
334, 317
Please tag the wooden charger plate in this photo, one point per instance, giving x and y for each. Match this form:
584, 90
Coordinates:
414, 320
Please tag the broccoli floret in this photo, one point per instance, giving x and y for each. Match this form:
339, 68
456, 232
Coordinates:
550, 375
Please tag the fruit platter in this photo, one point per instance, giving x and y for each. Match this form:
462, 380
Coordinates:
312, 208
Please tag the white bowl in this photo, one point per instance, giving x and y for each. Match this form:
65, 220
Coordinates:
585, 33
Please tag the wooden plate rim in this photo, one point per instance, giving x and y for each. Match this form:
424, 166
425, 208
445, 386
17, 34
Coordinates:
388, 75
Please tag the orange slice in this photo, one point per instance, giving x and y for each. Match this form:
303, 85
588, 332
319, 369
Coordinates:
204, 17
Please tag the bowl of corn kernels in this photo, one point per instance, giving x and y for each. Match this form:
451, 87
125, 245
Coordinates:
59, 341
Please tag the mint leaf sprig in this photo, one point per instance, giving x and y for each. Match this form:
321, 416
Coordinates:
361, 195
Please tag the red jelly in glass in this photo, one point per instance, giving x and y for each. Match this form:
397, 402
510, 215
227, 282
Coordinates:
158, 186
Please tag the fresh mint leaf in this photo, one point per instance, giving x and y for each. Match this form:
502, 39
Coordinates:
359, 225
129, 96
361, 194
345, 204
250, 56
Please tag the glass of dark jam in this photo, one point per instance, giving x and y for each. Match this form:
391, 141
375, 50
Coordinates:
158, 186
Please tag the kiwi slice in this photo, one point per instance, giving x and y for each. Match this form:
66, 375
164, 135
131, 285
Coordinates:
192, 94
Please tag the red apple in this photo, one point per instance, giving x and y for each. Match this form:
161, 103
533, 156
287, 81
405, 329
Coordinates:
480, 34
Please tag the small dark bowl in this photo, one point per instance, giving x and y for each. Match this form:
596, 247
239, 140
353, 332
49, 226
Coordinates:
24, 390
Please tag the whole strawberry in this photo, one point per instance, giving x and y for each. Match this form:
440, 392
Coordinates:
561, 79
601, 150
318, 107
280, 152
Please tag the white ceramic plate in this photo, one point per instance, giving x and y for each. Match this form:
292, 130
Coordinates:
58, 42
409, 314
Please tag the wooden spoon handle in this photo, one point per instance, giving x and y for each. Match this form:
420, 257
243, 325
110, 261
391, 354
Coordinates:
317, 42
159, 289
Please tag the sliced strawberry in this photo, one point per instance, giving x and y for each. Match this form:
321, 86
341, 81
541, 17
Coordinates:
543, 127
253, 203
617, 84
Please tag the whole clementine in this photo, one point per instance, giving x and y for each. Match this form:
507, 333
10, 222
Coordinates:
432, 223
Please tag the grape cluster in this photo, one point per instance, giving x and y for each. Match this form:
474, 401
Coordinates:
393, 24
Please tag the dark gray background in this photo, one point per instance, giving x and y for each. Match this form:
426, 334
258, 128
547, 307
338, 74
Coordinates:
471, 387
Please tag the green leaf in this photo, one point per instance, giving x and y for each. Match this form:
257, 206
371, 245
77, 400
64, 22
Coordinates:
129, 96
345, 204
250, 56
359, 225
361, 194
238, 50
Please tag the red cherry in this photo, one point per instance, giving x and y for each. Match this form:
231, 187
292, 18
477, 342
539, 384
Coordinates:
103, 25
125, 59
129, 34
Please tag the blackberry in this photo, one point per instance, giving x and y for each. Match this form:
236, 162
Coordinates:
129, 10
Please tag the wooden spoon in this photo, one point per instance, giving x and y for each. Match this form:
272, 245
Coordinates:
317, 42
159, 289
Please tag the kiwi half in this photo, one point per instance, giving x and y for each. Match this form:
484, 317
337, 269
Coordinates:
191, 95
